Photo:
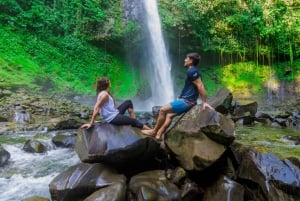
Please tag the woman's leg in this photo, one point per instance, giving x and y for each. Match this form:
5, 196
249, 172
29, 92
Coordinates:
121, 119
127, 105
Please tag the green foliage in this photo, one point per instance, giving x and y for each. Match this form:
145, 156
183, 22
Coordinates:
65, 65
287, 71
85, 19
50, 39
246, 77
250, 79
258, 31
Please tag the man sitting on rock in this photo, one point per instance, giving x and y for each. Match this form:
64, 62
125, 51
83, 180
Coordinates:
187, 99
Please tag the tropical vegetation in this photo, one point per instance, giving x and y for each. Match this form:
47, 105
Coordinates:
62, 46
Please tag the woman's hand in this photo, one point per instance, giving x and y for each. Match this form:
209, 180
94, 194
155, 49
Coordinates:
86, 126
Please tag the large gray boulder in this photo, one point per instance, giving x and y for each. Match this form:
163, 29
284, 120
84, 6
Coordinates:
80, 181
274, 179
123, 147
200, 138
222, 101
153, 185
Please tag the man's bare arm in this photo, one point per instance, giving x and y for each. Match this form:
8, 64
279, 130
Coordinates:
202, 93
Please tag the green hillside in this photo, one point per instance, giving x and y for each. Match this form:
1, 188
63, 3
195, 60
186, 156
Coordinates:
63, 46
60, 65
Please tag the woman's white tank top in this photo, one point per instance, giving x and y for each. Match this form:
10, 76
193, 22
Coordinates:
108, 111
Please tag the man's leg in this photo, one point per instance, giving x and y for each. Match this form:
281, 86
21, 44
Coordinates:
165, 126
164, 110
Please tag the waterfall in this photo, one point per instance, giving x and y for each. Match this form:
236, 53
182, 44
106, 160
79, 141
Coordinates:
276, 91
21, 117
159, 66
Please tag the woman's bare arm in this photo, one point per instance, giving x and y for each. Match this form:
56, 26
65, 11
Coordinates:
100, 101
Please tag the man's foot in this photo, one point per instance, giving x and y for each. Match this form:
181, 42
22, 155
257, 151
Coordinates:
145, 127
158, 138
149, 132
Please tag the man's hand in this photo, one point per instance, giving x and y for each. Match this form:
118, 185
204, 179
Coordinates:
206, 105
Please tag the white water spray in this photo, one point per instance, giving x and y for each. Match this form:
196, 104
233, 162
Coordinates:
160, 65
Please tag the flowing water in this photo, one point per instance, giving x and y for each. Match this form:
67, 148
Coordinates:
270, 140
29, 174
159, 65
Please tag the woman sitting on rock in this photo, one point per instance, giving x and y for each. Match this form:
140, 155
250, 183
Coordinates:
105, 106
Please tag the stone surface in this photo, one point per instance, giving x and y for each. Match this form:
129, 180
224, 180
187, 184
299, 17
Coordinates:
123, 147
200, 138
224, 189
80, 181
276, 179
153, 185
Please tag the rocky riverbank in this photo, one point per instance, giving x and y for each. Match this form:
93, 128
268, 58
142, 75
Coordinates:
139, 167
21, 110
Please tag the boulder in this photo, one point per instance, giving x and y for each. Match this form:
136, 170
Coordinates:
4, 156
146, 118
123, 147
222, 101
243, 110
268, 177
153, 185
34, 146
200, 137
71, 123
224, 189
155, 111
80, 181
246, 120
64, 140
115, 192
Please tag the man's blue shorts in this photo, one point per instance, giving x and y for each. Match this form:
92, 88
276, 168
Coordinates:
179, 106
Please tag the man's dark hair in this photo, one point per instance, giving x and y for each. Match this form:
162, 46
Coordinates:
195, 57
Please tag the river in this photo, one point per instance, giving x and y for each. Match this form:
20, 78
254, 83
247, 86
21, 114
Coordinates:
29, 174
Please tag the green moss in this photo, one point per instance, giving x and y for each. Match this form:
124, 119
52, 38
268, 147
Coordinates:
12, 140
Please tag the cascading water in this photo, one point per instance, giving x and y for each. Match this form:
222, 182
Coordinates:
21, 117
161, 83
276, 90
147, 50
27, 174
